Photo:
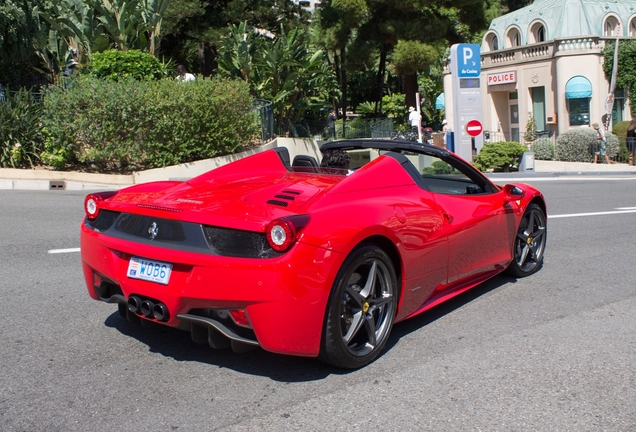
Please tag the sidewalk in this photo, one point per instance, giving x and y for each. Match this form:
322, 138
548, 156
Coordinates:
27, 179
39, 179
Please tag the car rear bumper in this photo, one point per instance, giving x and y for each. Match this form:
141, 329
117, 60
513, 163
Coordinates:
284, 298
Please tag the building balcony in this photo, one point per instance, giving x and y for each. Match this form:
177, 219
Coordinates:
541, 51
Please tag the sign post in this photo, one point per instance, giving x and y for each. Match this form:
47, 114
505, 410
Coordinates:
467, 107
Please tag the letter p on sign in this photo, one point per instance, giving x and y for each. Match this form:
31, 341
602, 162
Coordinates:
468, 54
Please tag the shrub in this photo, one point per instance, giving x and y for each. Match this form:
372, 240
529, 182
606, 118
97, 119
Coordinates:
438, 168
366, 109
620, 128
500, 156
543, 149
577, 145
122, 126
20, 136
355, 128
120, 65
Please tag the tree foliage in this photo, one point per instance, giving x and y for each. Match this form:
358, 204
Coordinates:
410, 57
282, 70
81, 27
626, 72
194, 29
18, 28
409, 35
356, 48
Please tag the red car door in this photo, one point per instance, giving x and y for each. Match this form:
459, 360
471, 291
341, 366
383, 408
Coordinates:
480, 232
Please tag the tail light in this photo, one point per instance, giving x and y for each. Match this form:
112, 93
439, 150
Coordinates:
93, 201
282, 233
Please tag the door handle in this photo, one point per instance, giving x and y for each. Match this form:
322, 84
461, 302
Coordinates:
448, 218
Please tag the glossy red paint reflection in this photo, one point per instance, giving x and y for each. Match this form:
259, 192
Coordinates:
286, 234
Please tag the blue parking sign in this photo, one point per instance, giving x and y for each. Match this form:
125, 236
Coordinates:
468, 60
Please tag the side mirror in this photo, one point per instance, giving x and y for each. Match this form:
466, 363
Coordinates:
513, 193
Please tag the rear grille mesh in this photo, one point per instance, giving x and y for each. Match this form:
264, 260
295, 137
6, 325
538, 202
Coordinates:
237, 243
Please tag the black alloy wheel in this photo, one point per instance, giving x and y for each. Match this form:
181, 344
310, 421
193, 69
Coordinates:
529, 243
361, 309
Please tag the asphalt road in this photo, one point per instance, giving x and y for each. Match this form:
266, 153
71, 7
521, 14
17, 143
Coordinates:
551, 352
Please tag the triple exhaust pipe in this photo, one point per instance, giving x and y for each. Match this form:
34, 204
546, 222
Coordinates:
148, 308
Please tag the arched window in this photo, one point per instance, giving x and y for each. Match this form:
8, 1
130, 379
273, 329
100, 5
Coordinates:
491, 42
514, 38
632, 28
611, 26
538, 33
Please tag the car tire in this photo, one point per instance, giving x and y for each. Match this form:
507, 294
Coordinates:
529, 243
361, 309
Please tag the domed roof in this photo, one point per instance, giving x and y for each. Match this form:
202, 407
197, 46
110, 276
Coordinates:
567, 18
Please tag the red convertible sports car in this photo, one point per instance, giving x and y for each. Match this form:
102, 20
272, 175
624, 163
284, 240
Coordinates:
304, 259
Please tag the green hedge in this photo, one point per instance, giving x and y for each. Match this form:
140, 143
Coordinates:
121, 65
20, 132
620, 128
130, 125
543, 149
499, 156
577, 145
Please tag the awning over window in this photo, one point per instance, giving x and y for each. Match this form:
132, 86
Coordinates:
439, 102
578, 87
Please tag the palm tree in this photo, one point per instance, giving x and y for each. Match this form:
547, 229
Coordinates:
283, 71
74, 30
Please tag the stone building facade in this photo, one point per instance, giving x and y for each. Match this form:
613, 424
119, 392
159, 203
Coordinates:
546, 61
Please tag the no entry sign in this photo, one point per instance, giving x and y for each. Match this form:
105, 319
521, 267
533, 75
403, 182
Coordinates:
474, 128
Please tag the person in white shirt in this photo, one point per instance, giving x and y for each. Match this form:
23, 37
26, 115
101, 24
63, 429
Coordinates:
184, 75
444, 131
414, 119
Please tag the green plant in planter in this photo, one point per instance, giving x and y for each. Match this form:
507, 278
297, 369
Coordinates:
499, 156
531, 130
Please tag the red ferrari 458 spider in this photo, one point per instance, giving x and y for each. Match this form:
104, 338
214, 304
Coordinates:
307, 259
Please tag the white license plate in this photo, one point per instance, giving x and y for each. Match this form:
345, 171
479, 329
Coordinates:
154, 271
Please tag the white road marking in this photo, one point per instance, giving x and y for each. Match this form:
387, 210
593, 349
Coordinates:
57, 251
618, 211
